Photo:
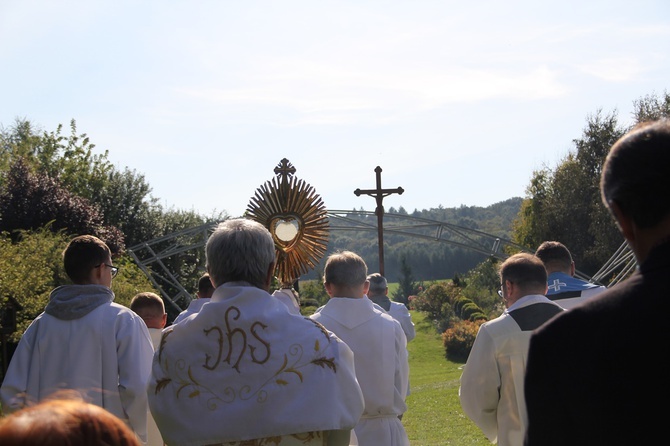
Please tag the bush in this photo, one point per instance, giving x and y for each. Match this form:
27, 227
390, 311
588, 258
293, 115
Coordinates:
469, 309
458, 339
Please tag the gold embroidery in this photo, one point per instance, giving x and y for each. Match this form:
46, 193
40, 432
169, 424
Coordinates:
220, 341
321, 327
325, 362
161, 383
266, 344
230, 334
186, 379
164, 336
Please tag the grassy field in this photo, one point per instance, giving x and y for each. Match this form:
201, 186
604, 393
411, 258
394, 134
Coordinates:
434, 415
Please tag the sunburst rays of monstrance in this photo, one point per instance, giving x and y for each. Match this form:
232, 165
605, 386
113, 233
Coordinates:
297, 219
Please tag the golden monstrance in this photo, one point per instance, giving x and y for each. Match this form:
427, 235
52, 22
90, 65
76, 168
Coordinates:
297, 219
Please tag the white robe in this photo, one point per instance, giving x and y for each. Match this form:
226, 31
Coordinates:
382, 369
193, 307
154, 437
288, 299
105, 354
245, 368
491, 386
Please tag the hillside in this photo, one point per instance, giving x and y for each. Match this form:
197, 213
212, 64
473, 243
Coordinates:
428, 259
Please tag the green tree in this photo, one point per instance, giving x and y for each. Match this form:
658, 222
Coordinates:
482, 285
34, 200
125, 201
564, 203
69, 159
406, 284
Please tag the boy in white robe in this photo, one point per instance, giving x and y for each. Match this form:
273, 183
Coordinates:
244, 369
85, 342
150, 307
379, 345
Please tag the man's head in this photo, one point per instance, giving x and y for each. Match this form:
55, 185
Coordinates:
205, 287
378, 285
635, 185
556, 258
88, 260
150, 307
345, 275
521, 275
241, 250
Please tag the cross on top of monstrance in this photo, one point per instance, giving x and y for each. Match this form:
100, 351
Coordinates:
297, 219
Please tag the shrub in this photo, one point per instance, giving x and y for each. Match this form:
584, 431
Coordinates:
458, 339
469, 309
474, 317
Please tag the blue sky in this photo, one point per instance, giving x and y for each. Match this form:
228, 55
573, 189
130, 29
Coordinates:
458, 102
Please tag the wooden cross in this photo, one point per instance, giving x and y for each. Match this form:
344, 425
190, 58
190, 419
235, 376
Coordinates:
379, 195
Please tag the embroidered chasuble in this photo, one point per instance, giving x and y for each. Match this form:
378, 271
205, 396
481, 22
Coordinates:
245, 368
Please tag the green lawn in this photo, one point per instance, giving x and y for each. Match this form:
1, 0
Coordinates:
434, 415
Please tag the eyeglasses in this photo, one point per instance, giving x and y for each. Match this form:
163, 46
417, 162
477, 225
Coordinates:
500, 292
114, 269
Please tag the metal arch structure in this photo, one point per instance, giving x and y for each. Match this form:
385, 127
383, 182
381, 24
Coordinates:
426, 229
149, 255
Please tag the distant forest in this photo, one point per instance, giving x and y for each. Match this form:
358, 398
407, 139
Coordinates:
428, 260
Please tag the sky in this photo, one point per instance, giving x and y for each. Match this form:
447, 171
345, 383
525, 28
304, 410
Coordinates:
457, 102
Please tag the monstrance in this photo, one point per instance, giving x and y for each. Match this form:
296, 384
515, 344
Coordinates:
297, 219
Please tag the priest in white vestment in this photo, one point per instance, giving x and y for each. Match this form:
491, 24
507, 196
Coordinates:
379, 345
244, 368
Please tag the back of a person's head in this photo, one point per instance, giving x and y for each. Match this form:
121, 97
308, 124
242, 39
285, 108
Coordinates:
555, 256
345, 269
81, 255
240, 250
65, 422
378, 284
524, 270
205, 287
636, 174
150, 307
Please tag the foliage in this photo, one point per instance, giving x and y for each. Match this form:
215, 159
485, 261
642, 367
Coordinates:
406, 284
436, 301
129, 281
46, 177
313, 293
69, 159
32, 200
458, 339
31, 266
125, 201
564, 203
481, 287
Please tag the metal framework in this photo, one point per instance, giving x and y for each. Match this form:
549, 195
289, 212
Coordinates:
149, 255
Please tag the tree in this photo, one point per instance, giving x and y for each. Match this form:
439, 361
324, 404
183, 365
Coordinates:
564, 203
30, 201
125, 201
69, 159
406, 286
